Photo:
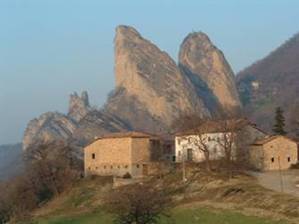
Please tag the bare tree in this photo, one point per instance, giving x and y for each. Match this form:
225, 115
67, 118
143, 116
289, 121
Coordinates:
194, 132
52, 168
140, 204
227, 142
49, 170
4, 205
199, 141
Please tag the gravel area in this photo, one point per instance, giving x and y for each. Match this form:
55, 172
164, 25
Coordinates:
286, 181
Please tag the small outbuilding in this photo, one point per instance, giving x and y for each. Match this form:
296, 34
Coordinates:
273, 153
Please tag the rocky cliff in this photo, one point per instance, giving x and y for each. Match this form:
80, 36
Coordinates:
81, 124
96, 123
48, 127
151, 80
151, 92
209, 71
78, 106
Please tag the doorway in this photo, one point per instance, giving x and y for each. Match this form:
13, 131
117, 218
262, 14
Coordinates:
189, 154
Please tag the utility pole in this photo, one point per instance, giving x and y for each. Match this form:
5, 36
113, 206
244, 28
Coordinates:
280, 175
183, 165
184, 170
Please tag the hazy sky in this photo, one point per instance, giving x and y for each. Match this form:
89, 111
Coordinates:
50, 48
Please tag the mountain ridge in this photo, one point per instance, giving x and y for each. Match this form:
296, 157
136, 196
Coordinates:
151, 92
271, 82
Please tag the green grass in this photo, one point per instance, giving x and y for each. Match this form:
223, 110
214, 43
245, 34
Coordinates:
205, 216
94, 218
82, 204
179, 216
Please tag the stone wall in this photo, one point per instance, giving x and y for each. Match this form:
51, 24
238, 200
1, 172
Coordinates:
117, 156
246, 137
141, 150
108, 157
280, 153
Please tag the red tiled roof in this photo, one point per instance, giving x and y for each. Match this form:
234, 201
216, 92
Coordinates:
269, 139
219, 126
130, 134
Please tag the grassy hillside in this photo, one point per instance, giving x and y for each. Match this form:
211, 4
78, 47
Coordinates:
180, 216
204, 198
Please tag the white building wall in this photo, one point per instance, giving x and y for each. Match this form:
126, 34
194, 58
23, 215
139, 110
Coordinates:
211, 139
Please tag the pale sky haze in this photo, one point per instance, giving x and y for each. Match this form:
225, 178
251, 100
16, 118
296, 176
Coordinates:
50, 48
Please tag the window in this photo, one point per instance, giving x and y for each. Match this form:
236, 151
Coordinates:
111, 167
209, 139
137, 165
118, 167
93, 155
126, 166
96, 167
272, 159
215, 150
289, 159
104, 167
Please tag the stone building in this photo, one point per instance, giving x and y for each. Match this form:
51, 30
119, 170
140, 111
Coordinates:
273, 153
120, 153
211, 135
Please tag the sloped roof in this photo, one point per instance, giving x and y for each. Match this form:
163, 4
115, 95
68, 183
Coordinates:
218, 126
129, 134
270, 138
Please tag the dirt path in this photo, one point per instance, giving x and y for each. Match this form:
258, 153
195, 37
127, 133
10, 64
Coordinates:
284, 181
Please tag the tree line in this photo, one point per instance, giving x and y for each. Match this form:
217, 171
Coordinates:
49, 170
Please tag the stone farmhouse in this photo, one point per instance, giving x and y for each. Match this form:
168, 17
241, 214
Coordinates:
123, 153
211, 135
139, 154
273, 153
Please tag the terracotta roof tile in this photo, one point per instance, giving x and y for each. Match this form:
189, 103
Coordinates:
130, 134
218, 126
269, 139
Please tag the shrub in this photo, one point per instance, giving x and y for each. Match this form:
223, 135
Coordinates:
127, 176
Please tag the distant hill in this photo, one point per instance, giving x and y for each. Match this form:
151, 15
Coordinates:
11, 162
271, 82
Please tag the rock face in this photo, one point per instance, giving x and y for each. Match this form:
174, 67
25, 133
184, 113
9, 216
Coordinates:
151, 80
78, 106
151, 92
208, 69
97, 123
81, 124
48, 127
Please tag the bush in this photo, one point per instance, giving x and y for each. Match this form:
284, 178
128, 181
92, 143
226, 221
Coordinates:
49, 170
140, 203
295, 166
127, 176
